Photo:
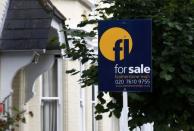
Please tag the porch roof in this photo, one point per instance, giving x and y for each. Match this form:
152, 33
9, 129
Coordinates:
28, 25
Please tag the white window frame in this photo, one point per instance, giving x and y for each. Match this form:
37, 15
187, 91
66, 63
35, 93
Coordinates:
59, 27
94, 102
58, 98
60, 95
82, 104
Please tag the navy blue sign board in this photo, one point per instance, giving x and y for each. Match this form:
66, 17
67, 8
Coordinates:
124, 55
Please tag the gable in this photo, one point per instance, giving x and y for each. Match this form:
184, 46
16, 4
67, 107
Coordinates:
26, 26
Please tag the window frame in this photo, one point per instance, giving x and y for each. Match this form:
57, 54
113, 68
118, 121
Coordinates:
58, 98
59, 27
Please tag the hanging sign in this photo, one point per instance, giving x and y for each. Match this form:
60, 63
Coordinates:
125, 55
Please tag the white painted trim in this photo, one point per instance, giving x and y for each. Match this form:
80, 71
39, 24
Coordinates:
60, 95
41, 86
82, 103
58, 98
94, 102
50, 98
59, 28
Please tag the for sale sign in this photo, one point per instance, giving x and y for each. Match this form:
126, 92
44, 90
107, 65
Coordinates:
125, 55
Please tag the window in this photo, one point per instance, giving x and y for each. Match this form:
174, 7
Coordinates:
50, 100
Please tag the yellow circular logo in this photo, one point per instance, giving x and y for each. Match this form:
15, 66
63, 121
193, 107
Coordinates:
115, 39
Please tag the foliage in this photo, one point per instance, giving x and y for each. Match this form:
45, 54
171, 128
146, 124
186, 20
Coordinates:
10, 122
171, 104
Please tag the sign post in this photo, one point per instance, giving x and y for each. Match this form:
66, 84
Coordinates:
124, 116
124, 59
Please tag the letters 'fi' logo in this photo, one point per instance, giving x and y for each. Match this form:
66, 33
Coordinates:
115, 44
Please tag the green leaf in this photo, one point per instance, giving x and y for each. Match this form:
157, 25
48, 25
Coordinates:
170, 104
110, 114
171, 69
24, 120
99, 108
75, 73
190, 91
167, 67
70, 71
117, 113
170, 24
168, 77
100, 98
165, 76
135, 96
98, 117
111, 105
191, 98
178, 27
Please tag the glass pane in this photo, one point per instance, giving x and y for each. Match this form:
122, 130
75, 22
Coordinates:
49, 116
50, 82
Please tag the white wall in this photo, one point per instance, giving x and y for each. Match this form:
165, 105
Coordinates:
72, 10
75, 120
10, 63
34, 105
71, 97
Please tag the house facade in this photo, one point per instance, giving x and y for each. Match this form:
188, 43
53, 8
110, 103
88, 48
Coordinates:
33, 70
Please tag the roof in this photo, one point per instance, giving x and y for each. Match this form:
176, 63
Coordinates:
48, 5
27, 24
